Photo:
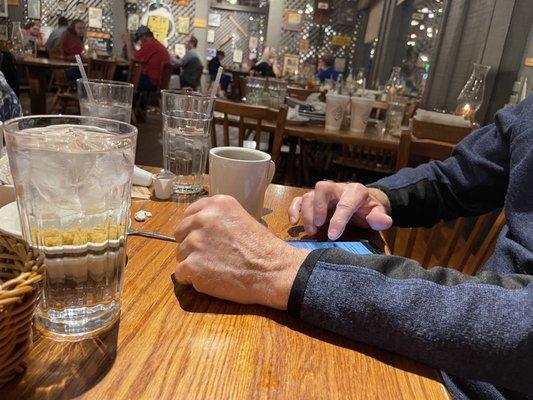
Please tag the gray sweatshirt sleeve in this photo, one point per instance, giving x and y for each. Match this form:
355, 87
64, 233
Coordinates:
477, 327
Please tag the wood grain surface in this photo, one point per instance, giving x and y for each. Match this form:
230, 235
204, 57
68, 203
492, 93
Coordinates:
174, 343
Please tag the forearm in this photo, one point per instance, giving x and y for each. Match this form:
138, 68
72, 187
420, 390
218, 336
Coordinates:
476, 327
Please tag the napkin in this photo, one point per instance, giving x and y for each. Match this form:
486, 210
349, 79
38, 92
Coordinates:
293, 113
5, 172
440, 118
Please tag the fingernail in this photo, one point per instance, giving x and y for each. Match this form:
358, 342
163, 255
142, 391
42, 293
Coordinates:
333, 234
293, 220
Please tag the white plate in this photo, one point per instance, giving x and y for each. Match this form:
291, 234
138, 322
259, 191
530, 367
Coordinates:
9, 220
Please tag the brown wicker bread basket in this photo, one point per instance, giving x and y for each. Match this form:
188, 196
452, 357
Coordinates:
21, 273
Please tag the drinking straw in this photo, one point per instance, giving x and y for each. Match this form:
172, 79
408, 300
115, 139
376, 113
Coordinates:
84, 78
214, 89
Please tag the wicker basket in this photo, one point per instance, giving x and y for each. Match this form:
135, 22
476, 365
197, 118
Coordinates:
21, 273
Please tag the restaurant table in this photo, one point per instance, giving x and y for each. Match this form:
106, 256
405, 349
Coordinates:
175, 343
38, 80
38, 77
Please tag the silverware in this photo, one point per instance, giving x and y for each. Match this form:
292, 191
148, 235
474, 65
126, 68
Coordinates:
151, 235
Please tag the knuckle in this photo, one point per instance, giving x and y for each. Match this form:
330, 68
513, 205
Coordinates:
309, 195
344, 205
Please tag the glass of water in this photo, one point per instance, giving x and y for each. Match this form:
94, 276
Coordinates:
72, 178
187, 119
110, 99
394, 118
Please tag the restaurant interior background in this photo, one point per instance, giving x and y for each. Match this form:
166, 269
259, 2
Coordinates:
435, 42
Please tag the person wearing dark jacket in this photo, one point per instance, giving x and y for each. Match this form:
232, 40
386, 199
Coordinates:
214, 64
478, 330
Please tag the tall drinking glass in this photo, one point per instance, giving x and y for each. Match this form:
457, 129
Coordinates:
72, 178
186, 122
111, 99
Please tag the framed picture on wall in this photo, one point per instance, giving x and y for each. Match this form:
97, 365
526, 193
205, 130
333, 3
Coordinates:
3, 33
290, 64
183, 25
214, 20
34, 9
13, 2
3, 8
292, 21
95, 17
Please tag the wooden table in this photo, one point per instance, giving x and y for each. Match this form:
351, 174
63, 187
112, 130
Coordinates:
370, 137
38, 80
174, 343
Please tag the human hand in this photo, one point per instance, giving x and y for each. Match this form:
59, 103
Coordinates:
352, 202
225, 253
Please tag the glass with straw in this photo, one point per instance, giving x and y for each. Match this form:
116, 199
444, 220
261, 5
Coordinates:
104, 98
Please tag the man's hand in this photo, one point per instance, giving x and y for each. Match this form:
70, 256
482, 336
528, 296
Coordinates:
226, 253
352, 202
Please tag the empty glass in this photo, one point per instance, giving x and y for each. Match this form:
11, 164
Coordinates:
72, 178
110, 99
186, 122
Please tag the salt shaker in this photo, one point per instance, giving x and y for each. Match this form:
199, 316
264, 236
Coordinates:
163, 183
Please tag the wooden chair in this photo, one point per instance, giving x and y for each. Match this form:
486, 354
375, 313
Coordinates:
134, 74
446, 243
300, 93
101, 69
244, 115
97, 69
445, 133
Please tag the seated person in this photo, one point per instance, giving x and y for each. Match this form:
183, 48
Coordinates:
267, 67
152, 55
190, 65
10, 105
326, 69
32, 35
70, 45
476, 329
55, 36
213, 67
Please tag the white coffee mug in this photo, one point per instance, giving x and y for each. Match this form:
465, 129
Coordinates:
241, 173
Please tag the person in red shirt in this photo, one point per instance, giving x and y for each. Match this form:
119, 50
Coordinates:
152, 55
70, 45
71, 42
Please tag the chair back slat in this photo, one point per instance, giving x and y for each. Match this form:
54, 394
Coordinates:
101, 69
134, 74
251, 117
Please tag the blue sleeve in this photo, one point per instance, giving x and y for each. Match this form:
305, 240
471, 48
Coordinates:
476, 327
473, 181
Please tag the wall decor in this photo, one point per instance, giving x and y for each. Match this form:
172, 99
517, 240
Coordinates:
80, 7
13, 2
183, 2
252, 43
160, 19
200, 23
340, 63
210, 36
133, 22
341, 40
4, 32
183, 25
210, 53
303, 45
3, 8
292, 21
237, 56
34, 9
290, 64
214, 20
95, 17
